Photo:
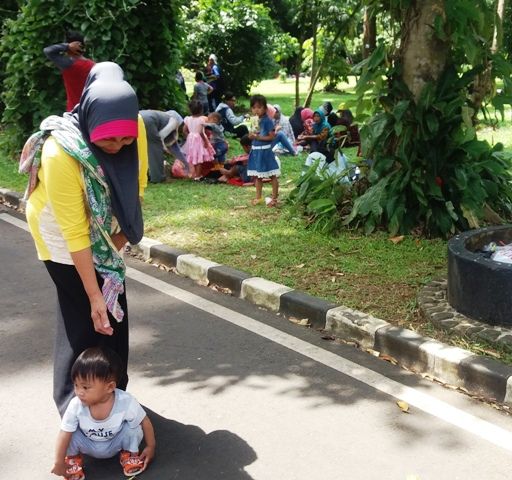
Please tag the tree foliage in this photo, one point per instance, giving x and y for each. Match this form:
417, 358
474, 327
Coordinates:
144, 38
239, 32
429, 169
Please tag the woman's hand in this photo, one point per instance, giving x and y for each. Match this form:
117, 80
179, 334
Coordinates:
99, 315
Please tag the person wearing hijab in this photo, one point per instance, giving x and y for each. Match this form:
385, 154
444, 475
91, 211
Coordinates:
319, 132
284, 139
162, 135
88, 170
296, 122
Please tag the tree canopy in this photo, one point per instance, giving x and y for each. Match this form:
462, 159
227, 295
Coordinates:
116, 31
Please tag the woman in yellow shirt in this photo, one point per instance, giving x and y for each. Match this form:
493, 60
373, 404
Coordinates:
83, 206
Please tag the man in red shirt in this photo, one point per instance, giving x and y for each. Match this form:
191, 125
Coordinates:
75, 68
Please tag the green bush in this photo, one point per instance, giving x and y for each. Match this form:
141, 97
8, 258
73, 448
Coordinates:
429, 170
239, 33
144, 38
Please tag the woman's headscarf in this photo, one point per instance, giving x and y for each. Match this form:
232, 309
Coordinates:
326, 107
306, 114
322, 125
109, 108
296, 121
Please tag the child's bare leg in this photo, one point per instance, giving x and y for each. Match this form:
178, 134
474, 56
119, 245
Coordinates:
275, 192
275, 187
259, 186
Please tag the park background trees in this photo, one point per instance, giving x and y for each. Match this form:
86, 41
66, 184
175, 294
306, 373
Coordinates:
425, 70
144, 38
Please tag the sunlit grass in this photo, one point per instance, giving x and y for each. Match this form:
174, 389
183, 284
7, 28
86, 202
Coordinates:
369, 273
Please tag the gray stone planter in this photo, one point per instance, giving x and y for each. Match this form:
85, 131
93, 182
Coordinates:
477, 286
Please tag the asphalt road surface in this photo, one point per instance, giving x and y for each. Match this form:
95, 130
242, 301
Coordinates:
236, 392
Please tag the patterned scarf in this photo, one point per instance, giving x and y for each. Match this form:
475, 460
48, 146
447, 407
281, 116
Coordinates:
107, 260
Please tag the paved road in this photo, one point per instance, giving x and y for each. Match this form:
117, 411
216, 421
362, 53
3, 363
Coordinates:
236, 392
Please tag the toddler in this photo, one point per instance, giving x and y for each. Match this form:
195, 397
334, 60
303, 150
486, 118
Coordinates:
197, 148
217, 139
101, 420
262, 161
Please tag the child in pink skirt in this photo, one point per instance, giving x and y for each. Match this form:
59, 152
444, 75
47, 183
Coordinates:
197, 148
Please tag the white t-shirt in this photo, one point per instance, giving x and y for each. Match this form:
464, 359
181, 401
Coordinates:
125, 409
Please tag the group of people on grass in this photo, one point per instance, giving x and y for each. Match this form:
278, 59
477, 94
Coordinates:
88, 170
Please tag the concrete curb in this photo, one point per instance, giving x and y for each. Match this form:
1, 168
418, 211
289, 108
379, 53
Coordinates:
478, 375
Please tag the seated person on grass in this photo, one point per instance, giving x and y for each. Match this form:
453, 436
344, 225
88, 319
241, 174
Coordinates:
236, 170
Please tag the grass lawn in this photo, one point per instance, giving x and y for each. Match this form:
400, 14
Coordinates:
368, 273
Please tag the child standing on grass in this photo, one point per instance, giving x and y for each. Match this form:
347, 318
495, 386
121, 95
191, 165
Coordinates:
201, 91
262, 161
101, 420
197, 148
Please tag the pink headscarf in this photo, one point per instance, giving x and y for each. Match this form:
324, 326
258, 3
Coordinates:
306, 114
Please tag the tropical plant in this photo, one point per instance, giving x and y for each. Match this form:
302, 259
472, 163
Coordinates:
429, 169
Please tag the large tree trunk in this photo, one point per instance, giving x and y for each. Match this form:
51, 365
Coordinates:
369, 33
423, 56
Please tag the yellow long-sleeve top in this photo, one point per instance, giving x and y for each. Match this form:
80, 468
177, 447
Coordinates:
57, 210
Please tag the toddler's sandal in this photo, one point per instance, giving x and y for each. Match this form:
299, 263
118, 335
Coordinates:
74, 467
132, 464
257, 201
272, 203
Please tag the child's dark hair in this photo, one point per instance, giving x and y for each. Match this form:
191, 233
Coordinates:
258, 100
228, 96
74, 36
199, 76
97, 363
217, 116
246, 141
195, 107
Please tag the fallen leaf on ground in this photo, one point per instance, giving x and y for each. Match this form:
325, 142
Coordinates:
300, 265
396, 240
328, 337
388, 358
254, 257
299, 321
404, 406
372, 352
239, 207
